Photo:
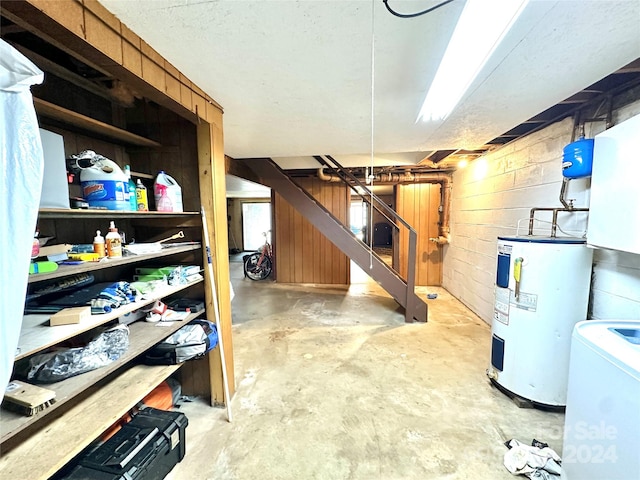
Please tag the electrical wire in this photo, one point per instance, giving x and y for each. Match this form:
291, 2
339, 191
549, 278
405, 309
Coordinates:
373, 89
413, 15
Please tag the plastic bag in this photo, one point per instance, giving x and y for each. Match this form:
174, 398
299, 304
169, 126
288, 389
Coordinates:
21, 164
54, 366
190, 342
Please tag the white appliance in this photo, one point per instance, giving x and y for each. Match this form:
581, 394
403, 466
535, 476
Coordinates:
615, 196
602, 421
542, 291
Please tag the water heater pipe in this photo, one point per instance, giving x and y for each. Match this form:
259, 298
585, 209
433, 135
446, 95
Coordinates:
563, 191
554, 221
405, 178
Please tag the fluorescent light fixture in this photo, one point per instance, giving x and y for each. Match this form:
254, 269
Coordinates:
480, 29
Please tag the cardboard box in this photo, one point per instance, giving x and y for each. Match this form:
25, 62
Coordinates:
68, 316
53, 251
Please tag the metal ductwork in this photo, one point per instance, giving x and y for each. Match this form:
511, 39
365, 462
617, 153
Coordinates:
407, 178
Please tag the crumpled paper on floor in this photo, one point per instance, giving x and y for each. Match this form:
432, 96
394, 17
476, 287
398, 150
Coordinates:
534, 462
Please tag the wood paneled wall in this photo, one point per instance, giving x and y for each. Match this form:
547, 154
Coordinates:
418, 205
304, 254
88, 31
177, 156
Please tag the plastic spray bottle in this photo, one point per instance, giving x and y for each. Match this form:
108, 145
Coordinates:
131, 188
164, 202
141, 197
99, 245
113, 241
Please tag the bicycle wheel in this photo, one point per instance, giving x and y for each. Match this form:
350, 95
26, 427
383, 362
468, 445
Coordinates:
255, 271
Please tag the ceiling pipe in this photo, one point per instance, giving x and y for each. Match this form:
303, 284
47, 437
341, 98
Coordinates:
408, 178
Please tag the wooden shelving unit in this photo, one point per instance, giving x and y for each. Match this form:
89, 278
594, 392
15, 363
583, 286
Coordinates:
69, 117
81, 213
120, 384
67, 270
40, 456
142, 336
189, 126
36, 335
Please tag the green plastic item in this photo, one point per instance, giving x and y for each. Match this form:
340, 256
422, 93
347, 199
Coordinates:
42, 267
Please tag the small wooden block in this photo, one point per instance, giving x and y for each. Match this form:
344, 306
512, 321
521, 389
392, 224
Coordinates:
27, 395
68, 316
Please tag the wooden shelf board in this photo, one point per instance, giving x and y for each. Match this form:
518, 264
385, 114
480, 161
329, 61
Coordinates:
36, 335
142, 336
50, 110
143, 175
100, 213
67, 270
44, 453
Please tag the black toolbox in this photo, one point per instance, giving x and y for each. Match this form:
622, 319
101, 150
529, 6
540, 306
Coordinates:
146, 448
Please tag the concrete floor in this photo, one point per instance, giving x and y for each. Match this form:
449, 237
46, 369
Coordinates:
332, 384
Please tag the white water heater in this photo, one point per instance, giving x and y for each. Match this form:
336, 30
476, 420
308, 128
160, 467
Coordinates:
542, 291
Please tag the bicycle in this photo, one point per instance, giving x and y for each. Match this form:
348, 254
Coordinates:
259, 265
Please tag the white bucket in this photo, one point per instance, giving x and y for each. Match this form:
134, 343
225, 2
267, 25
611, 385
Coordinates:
103, 185
174, 192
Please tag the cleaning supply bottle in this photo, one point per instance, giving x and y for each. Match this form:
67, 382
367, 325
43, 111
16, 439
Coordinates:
174, 192
113, 241
141, 197
99, 245
164, 202
103, 185
35, 246
131, 187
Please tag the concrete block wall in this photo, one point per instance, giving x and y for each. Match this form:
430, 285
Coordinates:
493, 197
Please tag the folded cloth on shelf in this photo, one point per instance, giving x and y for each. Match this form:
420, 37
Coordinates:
113, 296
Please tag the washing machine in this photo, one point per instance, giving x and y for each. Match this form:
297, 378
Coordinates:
542, 291
602, 420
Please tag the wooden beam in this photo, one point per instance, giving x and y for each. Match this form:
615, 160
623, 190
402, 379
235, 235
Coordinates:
56, 69
32, 19
239, 169
10, 29
632, 67
72, 25
212, 170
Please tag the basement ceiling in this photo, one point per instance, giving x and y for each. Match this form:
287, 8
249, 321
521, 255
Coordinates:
294, 77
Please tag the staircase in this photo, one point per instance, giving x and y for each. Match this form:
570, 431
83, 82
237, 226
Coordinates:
341, 236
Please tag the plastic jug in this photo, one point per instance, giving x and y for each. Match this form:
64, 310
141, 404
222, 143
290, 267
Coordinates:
174, 192
164, 204
103, 185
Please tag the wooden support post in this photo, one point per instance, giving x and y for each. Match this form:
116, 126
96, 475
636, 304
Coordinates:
211, 166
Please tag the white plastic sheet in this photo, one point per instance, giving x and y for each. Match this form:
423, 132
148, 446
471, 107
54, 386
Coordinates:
21, 164
533, 462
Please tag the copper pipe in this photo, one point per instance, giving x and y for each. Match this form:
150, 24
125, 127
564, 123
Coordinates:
407, 178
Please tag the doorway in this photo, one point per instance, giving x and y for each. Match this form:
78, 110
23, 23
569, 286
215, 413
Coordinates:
358, 218
256, 221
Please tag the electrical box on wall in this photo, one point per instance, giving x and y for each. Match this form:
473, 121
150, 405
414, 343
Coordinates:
615, 197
